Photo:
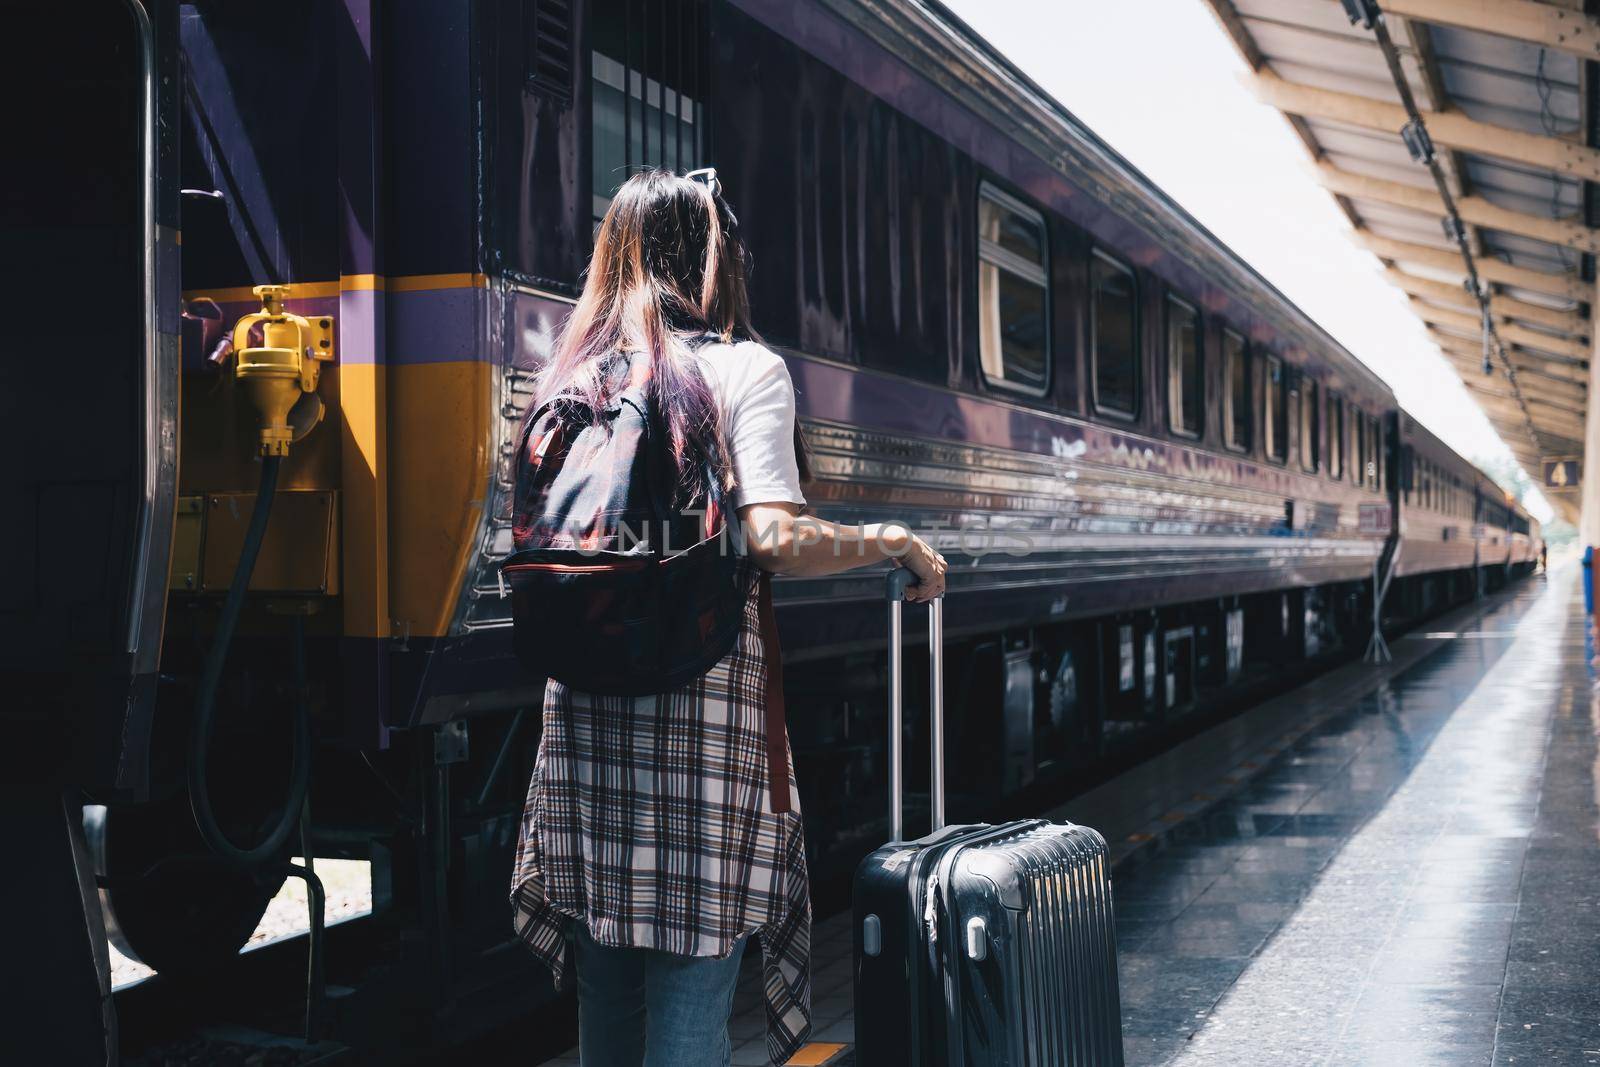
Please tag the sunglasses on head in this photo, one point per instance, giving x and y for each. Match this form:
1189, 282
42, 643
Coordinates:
706, 176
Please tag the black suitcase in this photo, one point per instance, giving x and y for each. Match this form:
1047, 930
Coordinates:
979, 944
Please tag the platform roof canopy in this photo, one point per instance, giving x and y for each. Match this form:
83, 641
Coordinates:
1503, 88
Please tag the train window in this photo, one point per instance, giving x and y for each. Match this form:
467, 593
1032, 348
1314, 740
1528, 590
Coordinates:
1186, 393
647, 86
1235, 392
1013, 292
1275, 418
1114, 332
1310, 424
1335, 436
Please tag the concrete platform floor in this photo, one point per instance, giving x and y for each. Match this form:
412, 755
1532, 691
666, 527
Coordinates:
1415, 880
1389, 866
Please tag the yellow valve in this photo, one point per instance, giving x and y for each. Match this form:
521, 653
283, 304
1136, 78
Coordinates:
281, 374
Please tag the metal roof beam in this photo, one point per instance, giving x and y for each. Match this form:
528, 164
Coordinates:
1563, 285
1451, 129
1522, 20
1543, 391
1577, 405
1470, 366
1500, 387
1554, 411
1471, 357
1525, 362
1473, 209
1509, 332
1469, 363
1502, 306
1547, 418
1478, 387
1232, 25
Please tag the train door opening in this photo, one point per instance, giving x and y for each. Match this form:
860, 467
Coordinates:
1068, 701
1017, 714
89, 419
1131, 665
1059, 726
91, 487
1179, 663
1233, 629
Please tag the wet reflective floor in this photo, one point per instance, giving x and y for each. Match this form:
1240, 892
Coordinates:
1392, 867
1415, 880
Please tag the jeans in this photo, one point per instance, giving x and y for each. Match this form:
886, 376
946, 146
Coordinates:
638, 1006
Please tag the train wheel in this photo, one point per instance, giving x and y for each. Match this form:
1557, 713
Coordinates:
167, 902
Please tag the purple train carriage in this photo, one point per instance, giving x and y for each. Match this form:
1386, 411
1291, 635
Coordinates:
1163, 488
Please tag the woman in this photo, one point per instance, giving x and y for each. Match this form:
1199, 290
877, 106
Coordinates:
650, 844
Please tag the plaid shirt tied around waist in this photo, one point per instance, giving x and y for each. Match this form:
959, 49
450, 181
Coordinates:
650, 819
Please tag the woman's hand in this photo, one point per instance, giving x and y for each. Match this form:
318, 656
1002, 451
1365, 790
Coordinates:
782, 540
928, 566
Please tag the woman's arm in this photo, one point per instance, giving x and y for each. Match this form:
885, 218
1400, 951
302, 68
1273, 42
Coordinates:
783, 541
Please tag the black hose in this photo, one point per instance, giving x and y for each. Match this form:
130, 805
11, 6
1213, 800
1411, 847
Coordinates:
316, 899
205, 705
316, 903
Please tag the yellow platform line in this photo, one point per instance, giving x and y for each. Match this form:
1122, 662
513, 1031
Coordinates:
817, 1054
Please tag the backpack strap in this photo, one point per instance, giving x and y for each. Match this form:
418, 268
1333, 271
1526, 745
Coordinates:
528, 424
777, 738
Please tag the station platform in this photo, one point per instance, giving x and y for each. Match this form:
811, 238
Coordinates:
1390, 865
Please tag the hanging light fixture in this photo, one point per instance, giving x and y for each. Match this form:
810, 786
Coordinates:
1363, 11
1488, 342
1417, 141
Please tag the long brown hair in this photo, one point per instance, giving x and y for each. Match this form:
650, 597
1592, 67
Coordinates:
668, 269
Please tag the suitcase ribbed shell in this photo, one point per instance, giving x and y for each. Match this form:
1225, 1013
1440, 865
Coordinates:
1043, 992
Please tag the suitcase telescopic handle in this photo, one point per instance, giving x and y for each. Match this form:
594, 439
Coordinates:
895, 586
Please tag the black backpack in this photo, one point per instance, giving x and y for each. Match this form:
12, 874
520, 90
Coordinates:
613, 589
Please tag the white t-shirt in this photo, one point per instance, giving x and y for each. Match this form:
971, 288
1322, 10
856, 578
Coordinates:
755, 397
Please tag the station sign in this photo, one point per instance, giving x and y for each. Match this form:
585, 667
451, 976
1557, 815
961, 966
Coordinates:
1563, 473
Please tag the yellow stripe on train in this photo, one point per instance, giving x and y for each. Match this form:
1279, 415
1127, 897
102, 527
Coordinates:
349, 283
406, 449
